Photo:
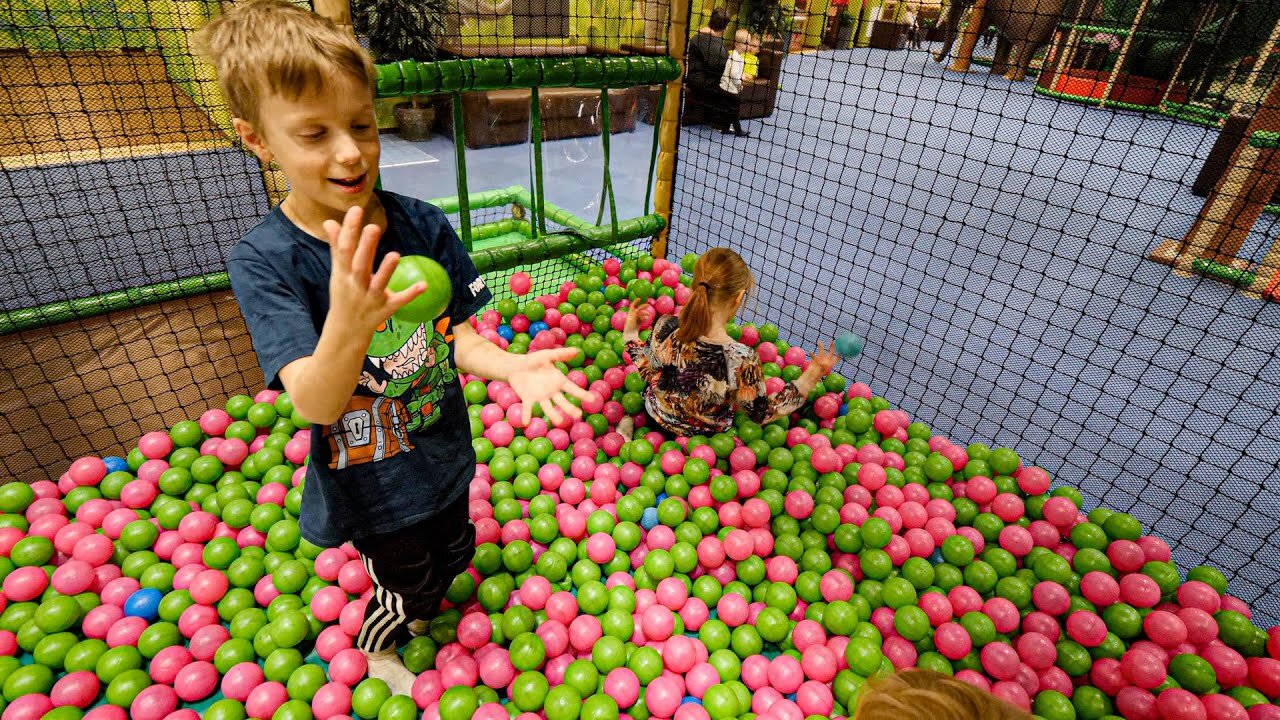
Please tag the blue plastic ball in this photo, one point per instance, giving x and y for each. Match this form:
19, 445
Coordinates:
505, 332
649, 518
849, 345
115, 464
537, 327
144, 603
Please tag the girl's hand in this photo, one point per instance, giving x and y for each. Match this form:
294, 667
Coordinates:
638, 313
824, 360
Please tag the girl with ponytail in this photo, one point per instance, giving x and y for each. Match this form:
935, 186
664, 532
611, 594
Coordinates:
698, 376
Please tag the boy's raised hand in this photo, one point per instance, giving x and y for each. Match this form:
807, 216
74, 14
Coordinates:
356, 293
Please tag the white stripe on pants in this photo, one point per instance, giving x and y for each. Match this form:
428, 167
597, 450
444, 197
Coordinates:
380, 626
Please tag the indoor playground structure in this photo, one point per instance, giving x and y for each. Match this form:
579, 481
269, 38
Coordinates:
1047, 463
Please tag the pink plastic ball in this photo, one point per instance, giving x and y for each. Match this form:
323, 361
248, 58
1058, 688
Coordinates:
1223, 707
1143, 669
154, 703
196, 681
622, 685
815, 698
732, 609
31, 706
25, 584
348, 667
474, 630
663, 696
658, 622
78, 689
1139, 590
819, 663
1197, 594
1000, 661
1086, 628
332, 700
1179, 704
265, 699
73, 577
952, 641
87, 471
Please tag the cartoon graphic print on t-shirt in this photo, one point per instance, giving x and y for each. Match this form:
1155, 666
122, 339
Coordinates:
404, 377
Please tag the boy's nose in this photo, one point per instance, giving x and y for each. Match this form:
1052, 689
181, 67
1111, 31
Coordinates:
347, 151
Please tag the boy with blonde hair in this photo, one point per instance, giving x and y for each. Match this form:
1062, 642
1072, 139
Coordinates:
928, 695
391, 457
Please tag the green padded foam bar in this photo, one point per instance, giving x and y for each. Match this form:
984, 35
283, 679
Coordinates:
1223, 272
1265, 139
411, 77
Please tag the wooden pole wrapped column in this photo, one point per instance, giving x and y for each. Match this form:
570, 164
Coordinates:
339, 11
669, 133
969, 39
1124, 52
1237, 201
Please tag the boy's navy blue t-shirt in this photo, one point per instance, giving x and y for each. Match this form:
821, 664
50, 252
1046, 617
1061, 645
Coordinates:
402, 448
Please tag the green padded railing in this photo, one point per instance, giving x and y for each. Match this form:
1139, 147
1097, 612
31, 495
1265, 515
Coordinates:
412, 77
1222, 272
1265, 139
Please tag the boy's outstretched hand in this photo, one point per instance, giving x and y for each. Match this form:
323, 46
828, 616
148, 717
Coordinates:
536, 379
358, 296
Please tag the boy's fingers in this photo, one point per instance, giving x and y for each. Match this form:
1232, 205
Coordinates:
331, 229
366, 250
395, 301
551, 412
572, 388
378, 282
348, 235
563, 402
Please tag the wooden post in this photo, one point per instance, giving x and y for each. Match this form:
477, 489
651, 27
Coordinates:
1124, 52
1236, 203
1205, 13
1258, 65
969, 40
339, 11
669, 134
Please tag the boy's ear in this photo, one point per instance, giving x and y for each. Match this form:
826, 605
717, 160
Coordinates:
252, 139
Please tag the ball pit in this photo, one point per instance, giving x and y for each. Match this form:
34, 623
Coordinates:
765, 572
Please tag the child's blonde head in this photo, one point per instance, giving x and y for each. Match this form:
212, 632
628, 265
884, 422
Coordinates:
275, 47
720, 280
742, 36
928, 695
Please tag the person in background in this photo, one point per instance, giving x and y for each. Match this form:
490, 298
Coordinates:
731, 83
705, 59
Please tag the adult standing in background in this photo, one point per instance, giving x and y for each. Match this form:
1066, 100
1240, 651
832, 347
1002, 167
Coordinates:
705, 61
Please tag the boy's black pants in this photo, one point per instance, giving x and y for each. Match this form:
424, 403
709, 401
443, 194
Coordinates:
411, 569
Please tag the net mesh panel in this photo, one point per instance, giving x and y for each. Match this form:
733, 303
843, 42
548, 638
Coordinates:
991, 242
120, 171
